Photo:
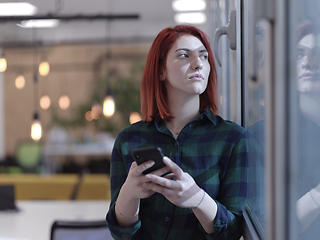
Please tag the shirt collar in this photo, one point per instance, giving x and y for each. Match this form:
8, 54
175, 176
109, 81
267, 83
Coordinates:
206, 114
209, 114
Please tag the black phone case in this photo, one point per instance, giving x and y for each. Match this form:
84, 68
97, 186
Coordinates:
142, 155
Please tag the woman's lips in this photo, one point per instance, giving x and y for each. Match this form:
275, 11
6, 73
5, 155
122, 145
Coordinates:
197, 77
310, 76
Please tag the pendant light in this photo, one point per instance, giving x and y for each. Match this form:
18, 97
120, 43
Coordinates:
20, 82
3, 64
44, 68
108, 104
36, 128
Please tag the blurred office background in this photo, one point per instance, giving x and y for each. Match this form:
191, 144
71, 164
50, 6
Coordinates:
61, 74
70, 75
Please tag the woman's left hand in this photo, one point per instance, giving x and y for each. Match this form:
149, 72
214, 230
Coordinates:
178, 186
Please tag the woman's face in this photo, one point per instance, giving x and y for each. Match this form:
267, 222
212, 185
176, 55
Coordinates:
187, 67
308, 62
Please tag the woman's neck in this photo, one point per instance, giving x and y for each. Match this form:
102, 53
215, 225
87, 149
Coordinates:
309, 105
184, 111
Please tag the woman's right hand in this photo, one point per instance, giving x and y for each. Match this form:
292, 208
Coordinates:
128, 202
133, 185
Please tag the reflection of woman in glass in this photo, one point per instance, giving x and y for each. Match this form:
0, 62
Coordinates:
308, 84
308, 63
308, 144
204, 195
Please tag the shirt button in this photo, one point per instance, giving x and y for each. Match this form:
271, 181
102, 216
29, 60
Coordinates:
190, 125
166, 219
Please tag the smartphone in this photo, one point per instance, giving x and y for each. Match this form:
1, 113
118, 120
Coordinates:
142, 155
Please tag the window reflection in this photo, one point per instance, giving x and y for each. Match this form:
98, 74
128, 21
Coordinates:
308, 130
307, 134
255, 134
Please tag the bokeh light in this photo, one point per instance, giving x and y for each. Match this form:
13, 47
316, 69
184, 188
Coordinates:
88, 116
44, 68
45, 102
64, 102
3, 64
134, 117
20, 82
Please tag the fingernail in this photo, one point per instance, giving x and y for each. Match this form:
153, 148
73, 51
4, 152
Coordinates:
150, 164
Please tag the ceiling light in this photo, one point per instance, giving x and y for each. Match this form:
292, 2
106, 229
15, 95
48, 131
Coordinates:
44, 68
189, 5
3, 64
64, 102
20, 82
108, 106
194, 18
36, 128
42, 23
17, 9
45, 102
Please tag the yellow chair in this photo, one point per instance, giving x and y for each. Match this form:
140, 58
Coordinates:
41, 187
58, 186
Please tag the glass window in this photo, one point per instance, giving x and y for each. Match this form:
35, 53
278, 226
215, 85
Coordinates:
256, 136
254, 77
305, 117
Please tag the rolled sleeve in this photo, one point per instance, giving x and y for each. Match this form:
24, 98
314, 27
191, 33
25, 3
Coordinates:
120, 233
226, 224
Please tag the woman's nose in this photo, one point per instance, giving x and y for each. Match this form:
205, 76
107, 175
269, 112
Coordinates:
310, 61
197, 63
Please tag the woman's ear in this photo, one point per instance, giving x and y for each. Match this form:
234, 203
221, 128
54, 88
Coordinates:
163, 75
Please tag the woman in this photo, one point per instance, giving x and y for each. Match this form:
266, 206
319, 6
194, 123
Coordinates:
308, 84
204, 195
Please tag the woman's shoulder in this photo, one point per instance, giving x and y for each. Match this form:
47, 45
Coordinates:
135, 127
229, 131
138, 126
228, 125
130, 131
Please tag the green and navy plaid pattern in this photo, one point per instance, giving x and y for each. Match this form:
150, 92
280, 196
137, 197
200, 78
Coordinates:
213, 151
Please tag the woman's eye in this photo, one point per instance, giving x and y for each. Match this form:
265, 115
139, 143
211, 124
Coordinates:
300, 55
183, 55
205, 57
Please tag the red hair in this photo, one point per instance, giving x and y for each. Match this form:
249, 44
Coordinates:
153, 92
305, 30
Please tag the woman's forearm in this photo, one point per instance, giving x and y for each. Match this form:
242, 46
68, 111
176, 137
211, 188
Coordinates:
308, 209
126, 208
206, 212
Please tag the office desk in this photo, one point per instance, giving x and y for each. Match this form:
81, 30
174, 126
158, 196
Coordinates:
34, 220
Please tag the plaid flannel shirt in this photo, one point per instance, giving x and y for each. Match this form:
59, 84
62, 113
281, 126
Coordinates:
213, 151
